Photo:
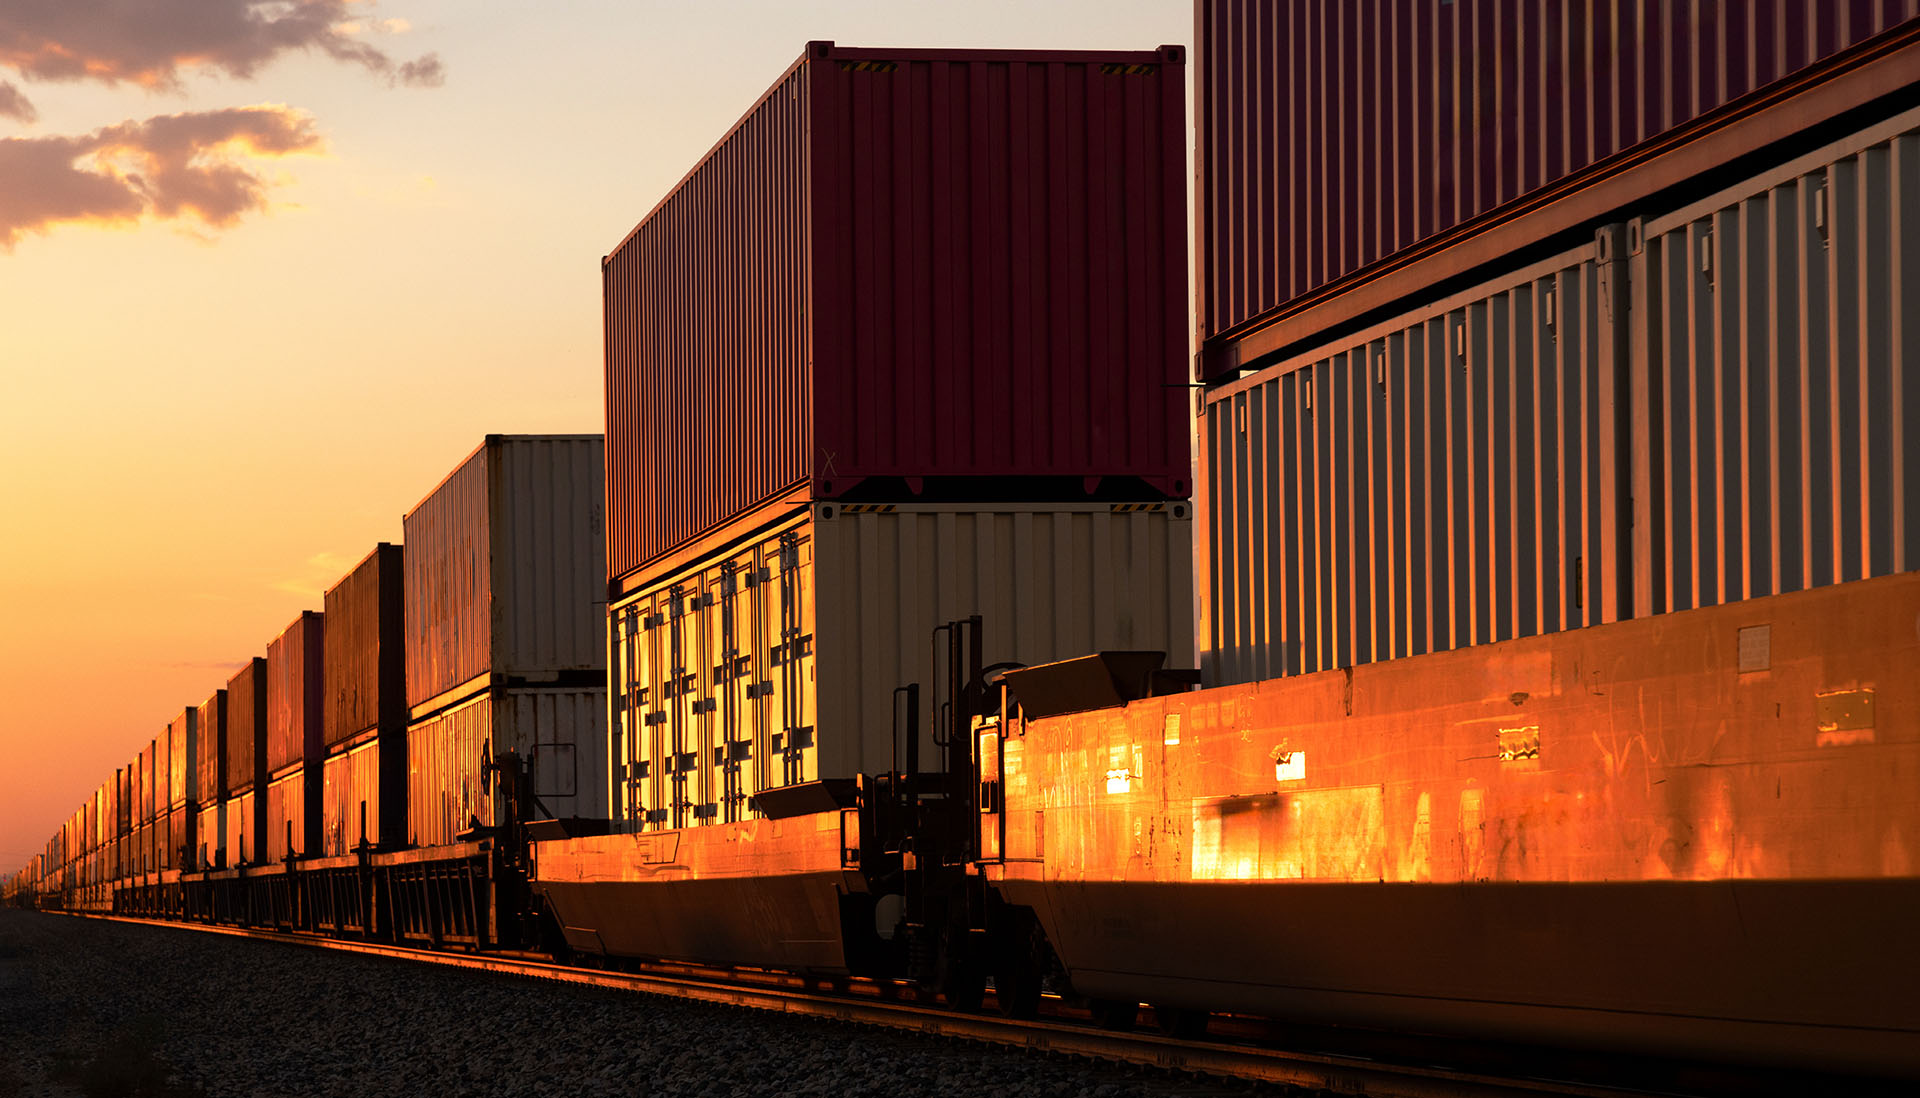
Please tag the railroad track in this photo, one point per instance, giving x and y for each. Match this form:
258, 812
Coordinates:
1054, 1036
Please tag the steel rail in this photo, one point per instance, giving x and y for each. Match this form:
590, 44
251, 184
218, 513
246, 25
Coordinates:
1338, 1074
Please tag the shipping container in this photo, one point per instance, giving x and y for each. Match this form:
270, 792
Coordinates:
1706, 405
351, 799
210, 836
365, 666
506, 571
296, 688
1780, 366
147, 768
559, 733
209, 721
178, 842
293, 823
244, 817
775, 661
246, 728
1451, 477
908, 273
1339, 138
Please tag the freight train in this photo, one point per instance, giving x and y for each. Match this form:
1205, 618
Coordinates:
1557, 587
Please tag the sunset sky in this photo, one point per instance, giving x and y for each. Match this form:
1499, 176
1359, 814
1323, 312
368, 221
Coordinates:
267, 271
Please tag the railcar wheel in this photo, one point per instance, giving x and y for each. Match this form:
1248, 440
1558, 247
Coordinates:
1114, 1014
961, 979
1016, 983
1182, 1022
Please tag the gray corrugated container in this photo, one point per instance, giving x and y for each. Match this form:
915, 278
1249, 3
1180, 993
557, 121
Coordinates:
1451, 477
1780, 361
1335, 137
506, 568
1707, 405
560, 732
295, 689
365, 663
775, 660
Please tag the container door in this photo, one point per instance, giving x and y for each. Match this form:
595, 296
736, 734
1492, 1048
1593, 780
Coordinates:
732, 675
790, 663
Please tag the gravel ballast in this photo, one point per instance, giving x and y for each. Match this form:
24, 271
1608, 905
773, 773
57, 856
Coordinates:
89, 1007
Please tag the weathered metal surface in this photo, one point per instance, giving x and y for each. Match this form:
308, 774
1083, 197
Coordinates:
243, 822
561, 733
1334, 134
506, 567
755, 892
775, 663
350, 800
245, 734
906, 271
1570, 822
365, 664
293, 825
1447, 478
295, 691
1777, 362
210, 836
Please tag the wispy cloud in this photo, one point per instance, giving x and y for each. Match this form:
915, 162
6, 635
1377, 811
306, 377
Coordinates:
194, 165
320, 571
14, 105
150, 42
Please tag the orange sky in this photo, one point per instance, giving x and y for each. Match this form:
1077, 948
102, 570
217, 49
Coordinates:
257, 301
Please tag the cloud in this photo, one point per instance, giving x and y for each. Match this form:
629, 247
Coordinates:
173, 166
149, 42
14, 105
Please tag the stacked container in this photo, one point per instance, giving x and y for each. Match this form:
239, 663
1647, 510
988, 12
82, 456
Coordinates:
908, 345
179, 805
210, 777
295, 738
244, 773
364, 709
504, 565
1611, 322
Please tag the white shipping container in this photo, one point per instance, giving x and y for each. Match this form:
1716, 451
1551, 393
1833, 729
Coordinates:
506, 567
775, 661
561, 733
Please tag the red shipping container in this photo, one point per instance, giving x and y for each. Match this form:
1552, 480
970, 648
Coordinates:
908, 273
1336, 134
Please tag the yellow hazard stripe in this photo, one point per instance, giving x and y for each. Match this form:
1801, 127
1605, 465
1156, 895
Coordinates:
867, 66
1117, 69
1130, 508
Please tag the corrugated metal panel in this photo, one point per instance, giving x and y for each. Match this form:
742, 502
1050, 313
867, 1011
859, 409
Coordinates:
246, 729
365, 663
1449, 478
145, 786
350, 802
295, 689
1333, 133
687, 375
909, 266
561, 733
444, 792
777, 663
291, 828
208, 719
506, 566
211, 837
1782, 339
242, 832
